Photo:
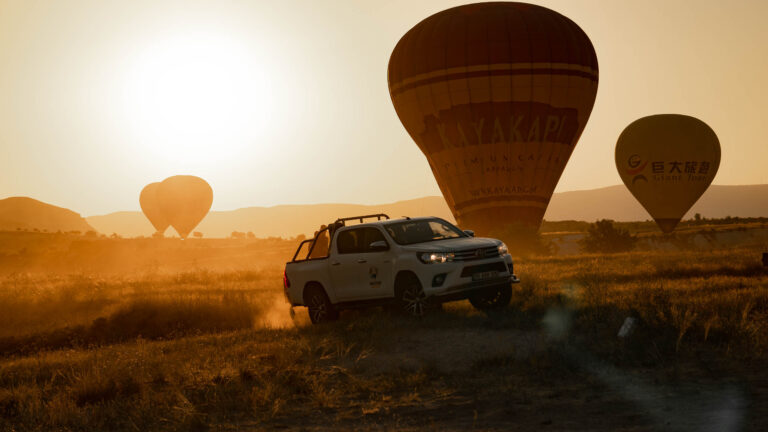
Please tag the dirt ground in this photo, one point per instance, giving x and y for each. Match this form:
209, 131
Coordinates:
507, 379
214, 348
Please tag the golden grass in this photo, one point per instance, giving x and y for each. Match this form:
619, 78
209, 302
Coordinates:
32, 304
216, 349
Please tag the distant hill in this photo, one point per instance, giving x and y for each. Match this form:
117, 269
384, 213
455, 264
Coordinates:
613, 202
124, 223
277, 221
617, 203
30, 214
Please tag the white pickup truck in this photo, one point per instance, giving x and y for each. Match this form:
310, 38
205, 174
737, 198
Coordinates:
410, 263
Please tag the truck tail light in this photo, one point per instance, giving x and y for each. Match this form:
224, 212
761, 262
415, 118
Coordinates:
286, 281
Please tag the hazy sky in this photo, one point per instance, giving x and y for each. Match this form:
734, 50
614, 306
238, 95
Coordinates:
286, 102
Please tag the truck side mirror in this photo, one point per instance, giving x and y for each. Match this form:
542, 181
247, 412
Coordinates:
469, 233
378, 246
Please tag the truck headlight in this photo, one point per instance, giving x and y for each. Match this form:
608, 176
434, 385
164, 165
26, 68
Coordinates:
503, 249
435, 257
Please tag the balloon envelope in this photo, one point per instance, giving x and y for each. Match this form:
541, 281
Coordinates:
667, 161
150, 206
496, 96
185, 200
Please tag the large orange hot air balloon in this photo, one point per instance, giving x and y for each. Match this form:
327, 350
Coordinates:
495, 96
150, 205
667, 161
185, 200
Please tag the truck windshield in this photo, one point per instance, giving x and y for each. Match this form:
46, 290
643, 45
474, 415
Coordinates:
420, 231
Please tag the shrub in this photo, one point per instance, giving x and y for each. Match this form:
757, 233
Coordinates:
602, 236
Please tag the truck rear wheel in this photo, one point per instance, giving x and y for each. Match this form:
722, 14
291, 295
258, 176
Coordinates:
319, 306
492, 300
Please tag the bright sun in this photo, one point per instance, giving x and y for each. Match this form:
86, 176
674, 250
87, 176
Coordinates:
196, 97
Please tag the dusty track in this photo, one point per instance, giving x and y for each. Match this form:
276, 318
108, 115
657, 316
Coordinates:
506, 379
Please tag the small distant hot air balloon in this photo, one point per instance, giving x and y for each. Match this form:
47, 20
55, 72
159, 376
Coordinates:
667, 161
496, 96
185, 200
150, 205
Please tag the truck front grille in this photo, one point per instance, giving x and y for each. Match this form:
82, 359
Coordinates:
475, 254
494, 266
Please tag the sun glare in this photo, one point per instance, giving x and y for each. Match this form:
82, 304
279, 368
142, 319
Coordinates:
196, 97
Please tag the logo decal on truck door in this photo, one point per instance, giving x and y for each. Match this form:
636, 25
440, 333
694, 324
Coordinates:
373, 273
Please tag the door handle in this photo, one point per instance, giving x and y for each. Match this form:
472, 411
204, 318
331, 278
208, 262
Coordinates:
361, 261
335, 263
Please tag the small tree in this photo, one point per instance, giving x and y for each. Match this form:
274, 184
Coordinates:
602, 236
237, 235
197, 234
251, 235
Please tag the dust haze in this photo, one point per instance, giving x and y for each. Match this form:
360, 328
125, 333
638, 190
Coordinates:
180, 183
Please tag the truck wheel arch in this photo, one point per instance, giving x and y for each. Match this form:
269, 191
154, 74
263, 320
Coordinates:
312, 285
402, 277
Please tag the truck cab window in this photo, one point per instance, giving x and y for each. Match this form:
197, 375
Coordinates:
358, 240
349, 241
372, 235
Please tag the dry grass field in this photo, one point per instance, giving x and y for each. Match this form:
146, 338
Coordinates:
210, 345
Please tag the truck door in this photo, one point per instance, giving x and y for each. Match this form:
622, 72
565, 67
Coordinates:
358, 271
377, 253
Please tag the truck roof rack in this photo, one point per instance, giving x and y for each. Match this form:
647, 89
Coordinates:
378, 216
331, 228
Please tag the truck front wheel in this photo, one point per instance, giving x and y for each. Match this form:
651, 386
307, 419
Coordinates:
412, 299
319, 306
